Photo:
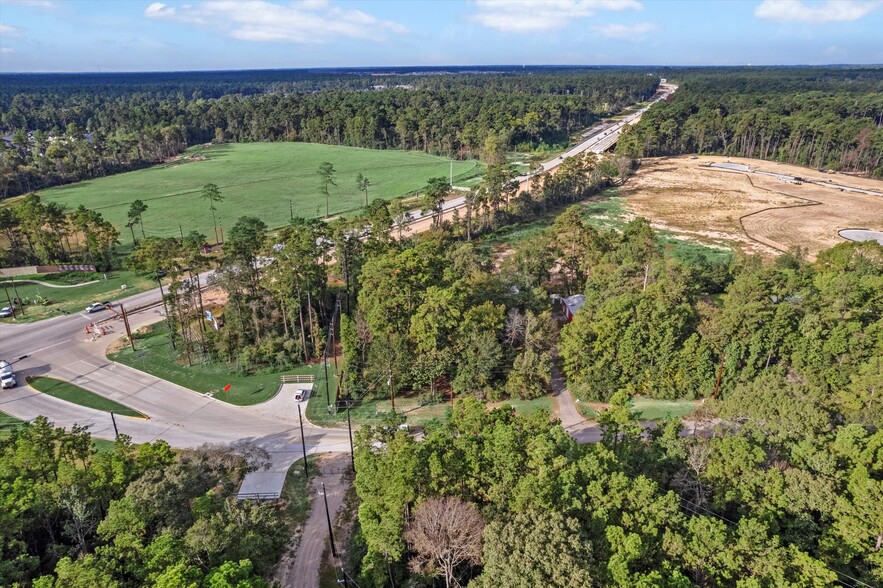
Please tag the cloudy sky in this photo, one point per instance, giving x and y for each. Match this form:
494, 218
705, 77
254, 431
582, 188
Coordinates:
135, 35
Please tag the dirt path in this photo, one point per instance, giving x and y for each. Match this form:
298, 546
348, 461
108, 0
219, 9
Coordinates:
303, 569
48, 285
570, 416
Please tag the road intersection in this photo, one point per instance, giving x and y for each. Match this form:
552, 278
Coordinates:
60, 348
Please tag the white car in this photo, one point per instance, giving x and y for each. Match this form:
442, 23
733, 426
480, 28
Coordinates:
6, 311
8, 381
95, 307
5, 369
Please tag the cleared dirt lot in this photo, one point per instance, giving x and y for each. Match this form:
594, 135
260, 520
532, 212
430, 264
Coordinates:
755, 213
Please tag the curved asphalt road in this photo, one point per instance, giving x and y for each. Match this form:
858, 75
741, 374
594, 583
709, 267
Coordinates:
60, 348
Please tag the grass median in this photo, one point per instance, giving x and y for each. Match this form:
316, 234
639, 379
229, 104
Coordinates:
76, 395
155, 356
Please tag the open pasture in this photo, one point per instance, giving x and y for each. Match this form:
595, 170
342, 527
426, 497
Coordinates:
267, 180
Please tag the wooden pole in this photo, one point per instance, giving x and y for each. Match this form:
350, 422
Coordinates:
126, 323
349, 425
328, 518
303, 441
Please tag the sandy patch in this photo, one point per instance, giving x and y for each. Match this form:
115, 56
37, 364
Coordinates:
758, 214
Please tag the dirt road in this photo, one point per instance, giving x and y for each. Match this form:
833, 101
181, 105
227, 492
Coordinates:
302, 571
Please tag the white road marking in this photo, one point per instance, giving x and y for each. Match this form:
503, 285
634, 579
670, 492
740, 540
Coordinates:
48, 347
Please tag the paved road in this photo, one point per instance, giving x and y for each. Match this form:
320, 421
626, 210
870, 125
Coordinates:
60, 348
601, 138
598, 140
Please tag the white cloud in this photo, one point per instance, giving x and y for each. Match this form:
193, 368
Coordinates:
45, 4
533, 16
11, 31
633, 32
7, 50
307, 21
817, 12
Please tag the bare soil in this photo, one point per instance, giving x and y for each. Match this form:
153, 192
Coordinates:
710, 205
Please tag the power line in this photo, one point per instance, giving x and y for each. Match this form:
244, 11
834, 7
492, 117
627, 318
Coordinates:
729, 522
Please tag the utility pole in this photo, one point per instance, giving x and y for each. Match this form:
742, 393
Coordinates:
128, 330
327, 391
334, 319
343, 571
349, 426
392, 396
328, 518
181, 230
115, 430
17, 297
290, 209
452, 173
303, 441
166, 308
11, 305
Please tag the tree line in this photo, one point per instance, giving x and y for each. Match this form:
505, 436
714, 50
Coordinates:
806, 120
785, 493
141, 515
93, 131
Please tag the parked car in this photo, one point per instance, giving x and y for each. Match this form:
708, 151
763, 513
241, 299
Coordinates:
8, 381
5, 368
95, 307
6, 311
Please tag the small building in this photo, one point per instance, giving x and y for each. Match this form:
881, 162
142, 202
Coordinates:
571, 304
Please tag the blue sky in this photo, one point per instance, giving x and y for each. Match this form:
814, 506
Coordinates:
135, 35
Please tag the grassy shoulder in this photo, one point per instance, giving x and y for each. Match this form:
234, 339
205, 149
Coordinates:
295, 491
645, 409
76, 395
45, 301
8, 424
415, 409
154, 355
267, 180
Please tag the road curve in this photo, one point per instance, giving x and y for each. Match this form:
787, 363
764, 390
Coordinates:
59, 347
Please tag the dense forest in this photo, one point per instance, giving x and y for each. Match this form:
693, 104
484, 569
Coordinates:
130, 516
818, 118
785, 492
87, 127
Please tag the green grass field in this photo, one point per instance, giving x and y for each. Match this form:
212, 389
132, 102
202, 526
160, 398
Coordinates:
649, 409
155, 356
8, 424
371, 411
70, 300
75, 394
258, 179
604, 211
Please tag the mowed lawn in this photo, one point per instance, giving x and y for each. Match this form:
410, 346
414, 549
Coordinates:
70, 300
259, 179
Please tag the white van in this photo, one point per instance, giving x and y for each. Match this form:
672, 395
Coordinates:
8, 381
